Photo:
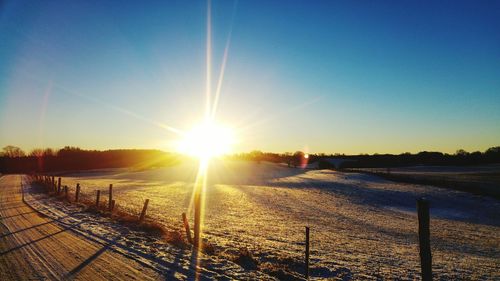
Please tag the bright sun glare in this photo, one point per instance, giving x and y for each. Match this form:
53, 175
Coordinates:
207, 140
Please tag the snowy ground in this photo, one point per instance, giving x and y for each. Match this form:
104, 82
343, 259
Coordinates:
362, 227
494, 168
476, 179
167, 261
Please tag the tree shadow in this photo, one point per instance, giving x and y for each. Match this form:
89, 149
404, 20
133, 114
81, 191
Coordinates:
39, 239
28, 228
17, 215
72, 273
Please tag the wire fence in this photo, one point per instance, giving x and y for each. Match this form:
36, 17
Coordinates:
103, 201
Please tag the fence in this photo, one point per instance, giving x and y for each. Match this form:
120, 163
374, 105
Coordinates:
110, 206
95, 200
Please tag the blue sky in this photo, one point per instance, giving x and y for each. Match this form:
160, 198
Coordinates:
322, 76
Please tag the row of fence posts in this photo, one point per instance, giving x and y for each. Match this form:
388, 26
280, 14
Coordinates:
423, 238
422, 211
49, 181
50, 184
423, 241
56, 188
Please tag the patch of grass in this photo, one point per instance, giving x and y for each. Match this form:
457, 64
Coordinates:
246, 259
208, 248
148, 226
280, 271
242, 257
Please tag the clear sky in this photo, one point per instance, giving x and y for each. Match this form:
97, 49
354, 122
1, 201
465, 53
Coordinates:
321, 76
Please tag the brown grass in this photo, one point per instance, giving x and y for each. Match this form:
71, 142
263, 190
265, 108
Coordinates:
245, 259
280, 271
148, 226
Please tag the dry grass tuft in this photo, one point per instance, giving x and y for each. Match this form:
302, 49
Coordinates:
242, 257
246, 260
280, 271
208, 248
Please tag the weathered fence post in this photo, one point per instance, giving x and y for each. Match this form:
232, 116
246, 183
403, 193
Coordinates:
97, 199
58, 185
424, 239
143, 213
186, 226
22, 190
112, 206
307, 253
110, 196
77, 193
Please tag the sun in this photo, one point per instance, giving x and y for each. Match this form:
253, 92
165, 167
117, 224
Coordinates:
207, 140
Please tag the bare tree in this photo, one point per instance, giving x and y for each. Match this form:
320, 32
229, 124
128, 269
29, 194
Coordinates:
49, 152
12, 151
37, 152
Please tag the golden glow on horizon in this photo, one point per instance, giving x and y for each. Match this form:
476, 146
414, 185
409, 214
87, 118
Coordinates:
207, 140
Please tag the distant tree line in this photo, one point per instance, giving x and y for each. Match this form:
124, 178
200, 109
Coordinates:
293, 159
460, 158
14, 160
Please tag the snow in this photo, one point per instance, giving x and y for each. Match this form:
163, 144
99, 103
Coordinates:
362, 227
172, 262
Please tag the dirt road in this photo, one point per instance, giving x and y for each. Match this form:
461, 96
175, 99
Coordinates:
33, 247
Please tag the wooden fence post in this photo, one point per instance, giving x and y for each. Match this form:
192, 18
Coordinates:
22, 190
77, 194
307, 253
112, 206
97, 199
424, 239
143, 213
58, 185
186, 226
110, 196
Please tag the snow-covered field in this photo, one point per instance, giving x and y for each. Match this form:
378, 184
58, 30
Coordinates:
494, 168
362, 227
476, 179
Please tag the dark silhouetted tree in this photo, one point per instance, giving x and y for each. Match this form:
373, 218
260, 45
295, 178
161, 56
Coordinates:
12, 151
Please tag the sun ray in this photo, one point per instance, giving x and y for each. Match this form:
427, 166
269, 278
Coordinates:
276, 115
223, 64
208, 86
55, 86
221, 78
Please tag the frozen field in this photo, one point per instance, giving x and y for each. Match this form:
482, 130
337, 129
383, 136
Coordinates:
362, 227
476, 179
